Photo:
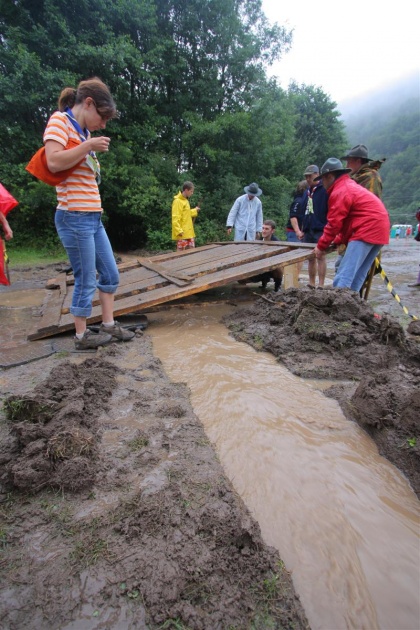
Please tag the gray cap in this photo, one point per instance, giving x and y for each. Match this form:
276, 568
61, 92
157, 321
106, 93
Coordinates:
332, 165
311, 169
359, 151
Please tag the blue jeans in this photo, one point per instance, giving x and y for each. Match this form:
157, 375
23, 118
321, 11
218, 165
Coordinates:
292, 237
356, 262
89, 250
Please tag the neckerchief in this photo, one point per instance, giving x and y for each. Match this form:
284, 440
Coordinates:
310, 204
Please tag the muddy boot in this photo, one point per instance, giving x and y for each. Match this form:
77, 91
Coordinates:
117, 331
91, 340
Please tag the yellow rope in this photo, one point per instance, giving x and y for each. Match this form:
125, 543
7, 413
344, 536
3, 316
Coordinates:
391, 289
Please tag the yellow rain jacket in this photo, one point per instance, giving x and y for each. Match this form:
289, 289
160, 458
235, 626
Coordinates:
182, 215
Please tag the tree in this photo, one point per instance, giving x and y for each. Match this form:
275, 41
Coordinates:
189, 80
319, 132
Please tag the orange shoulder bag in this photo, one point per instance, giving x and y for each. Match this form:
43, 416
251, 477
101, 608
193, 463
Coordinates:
39, 168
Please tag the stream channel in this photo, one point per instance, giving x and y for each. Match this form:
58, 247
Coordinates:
344, 520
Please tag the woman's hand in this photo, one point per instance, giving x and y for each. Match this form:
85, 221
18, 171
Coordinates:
99, 144
8, 234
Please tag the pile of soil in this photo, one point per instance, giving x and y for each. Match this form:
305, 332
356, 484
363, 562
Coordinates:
333, 334
115, 510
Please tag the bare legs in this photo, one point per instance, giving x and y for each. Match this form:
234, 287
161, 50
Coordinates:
319, 266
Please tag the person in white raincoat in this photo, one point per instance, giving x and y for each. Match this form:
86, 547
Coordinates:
246, 215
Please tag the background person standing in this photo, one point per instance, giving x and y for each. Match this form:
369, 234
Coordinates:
364, 170
182, 218
246, 215
314, 221
297, 208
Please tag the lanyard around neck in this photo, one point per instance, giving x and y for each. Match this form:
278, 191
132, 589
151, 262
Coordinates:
83, 133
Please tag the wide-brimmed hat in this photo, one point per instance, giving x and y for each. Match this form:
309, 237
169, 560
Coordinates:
332, 165
359, 151
253, 189
311, 169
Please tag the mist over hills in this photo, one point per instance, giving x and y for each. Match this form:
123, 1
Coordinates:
387, 121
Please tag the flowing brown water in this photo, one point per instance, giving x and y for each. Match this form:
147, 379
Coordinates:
344, 520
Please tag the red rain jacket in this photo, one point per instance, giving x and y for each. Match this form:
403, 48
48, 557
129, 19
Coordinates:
354, 214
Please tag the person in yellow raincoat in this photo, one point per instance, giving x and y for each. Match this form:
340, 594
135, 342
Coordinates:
182, 218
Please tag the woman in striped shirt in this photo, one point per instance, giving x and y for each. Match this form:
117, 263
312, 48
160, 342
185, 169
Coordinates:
78, 216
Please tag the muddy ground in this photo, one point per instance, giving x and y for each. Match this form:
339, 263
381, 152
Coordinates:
115, 512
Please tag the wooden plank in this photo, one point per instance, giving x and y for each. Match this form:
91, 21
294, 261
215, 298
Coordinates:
290, 276
126, 291
200, 256
290, 244
51, 310
185, 252
235, 261
226, 276
176, 277
152, 281
226, 256
146, 289
136, 279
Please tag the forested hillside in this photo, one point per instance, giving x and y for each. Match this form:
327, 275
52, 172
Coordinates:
189, 79
388, 122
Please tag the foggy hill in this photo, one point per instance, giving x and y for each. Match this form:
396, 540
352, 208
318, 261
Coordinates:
388, 122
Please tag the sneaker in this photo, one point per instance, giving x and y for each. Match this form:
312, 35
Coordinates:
117, 332
91, 340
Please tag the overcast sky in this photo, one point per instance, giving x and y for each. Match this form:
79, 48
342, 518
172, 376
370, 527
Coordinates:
347, 52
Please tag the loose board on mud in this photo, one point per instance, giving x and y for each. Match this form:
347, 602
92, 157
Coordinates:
148, 282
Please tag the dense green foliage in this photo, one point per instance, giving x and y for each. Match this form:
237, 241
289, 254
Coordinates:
389, 125
189, 79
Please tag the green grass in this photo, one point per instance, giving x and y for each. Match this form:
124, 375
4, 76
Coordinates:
33, 256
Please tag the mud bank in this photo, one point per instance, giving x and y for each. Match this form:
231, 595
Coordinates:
115, 510
334, 334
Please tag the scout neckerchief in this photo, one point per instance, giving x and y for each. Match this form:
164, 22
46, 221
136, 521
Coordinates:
310, 204
91, 159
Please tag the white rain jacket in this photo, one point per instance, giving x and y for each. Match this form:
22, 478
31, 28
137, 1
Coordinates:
246, 217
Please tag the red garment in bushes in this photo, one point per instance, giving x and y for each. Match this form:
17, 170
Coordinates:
3, 276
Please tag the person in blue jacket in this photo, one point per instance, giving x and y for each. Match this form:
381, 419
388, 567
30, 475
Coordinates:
297, 208
246, 215
314, 221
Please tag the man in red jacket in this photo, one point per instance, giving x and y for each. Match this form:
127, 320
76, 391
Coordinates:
357, 218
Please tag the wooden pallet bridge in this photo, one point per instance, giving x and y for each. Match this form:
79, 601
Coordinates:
147, 282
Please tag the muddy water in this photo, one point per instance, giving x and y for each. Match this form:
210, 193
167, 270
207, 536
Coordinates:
344, 520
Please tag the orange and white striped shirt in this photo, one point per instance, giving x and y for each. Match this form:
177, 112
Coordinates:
79, 192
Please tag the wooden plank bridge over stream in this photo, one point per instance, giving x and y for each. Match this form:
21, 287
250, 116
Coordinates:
148, 282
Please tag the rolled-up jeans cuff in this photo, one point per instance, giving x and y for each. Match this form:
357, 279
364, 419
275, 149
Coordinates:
80, 312
108, 288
